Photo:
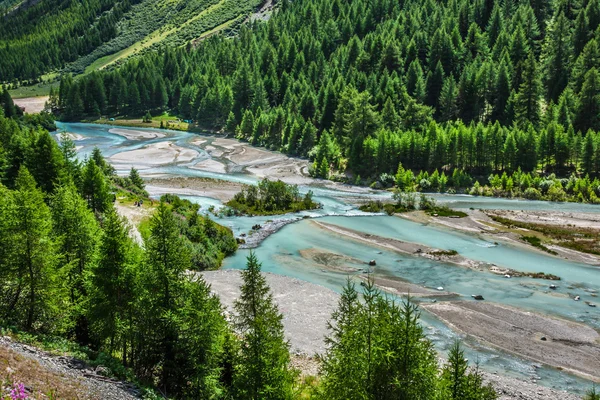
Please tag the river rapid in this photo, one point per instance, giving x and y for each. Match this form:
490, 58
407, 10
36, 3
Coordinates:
285, 252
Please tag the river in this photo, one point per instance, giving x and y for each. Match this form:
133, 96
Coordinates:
282, 252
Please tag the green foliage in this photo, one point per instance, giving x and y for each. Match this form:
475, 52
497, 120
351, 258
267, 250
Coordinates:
208, 241
356, 97
459, 383
135, 179
271, 197
77, 235
377, 349
32, 293
263, 369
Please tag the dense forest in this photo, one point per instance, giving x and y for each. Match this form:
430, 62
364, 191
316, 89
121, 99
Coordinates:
482, 87
41, 39
47, 34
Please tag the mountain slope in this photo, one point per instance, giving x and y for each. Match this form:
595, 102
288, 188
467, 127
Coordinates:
90, 35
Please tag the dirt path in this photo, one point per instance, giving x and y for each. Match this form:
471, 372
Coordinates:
134, 216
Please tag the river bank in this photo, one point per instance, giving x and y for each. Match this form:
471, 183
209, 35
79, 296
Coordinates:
307, 308
481, 222
294, 249
559, 343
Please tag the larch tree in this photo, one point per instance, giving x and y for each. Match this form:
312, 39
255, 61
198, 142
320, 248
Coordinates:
263, 370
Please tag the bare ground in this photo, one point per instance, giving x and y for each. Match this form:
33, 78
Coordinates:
479, 222
134, 216
65, 377
204, 187
555, 342
32, 105
306, 307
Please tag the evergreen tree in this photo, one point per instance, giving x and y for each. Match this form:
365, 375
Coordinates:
95, 187
459, 383
136, 179
167, 259
77, 235
112, 287
38, 299
527, 102
263, 370
588, 113
557, 55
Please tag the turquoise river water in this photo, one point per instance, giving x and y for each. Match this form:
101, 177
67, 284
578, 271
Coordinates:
281, 252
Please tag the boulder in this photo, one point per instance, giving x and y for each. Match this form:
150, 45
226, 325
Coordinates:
477, 297
372, 263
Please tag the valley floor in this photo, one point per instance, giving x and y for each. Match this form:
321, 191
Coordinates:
306, 308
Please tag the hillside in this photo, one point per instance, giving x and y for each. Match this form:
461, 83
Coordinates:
373, 88
59, 35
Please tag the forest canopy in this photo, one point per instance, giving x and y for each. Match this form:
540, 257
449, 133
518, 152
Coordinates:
485, 86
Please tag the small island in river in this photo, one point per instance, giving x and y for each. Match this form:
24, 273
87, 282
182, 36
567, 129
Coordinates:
270, 198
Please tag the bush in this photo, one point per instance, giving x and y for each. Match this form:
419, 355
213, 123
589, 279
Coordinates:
532, 194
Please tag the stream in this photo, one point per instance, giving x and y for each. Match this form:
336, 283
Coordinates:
284, 251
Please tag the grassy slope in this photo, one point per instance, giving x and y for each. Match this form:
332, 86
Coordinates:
148, 24
150, 40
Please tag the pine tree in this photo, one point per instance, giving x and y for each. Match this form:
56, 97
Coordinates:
377, 349
557, 56
459, 383
263, 370
588, 113
588, 152
167, 259
39, 297
95, 188
46, 162
448, 110
136, 179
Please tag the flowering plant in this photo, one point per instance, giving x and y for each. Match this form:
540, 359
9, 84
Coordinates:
18, 392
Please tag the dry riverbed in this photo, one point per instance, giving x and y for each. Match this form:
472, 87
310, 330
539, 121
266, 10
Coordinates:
559, 343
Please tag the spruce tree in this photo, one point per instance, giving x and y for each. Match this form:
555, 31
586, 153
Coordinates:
112, 285
527, 102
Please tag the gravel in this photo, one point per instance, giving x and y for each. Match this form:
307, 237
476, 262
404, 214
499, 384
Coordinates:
91, 384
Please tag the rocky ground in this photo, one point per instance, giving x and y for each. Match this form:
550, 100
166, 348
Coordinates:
552, 341
306, 307
64, 377
479, 222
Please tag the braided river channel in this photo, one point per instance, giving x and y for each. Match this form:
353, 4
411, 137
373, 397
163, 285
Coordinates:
162, 154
